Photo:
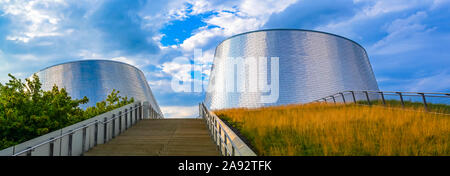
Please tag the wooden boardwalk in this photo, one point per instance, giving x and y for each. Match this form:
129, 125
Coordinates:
160, 137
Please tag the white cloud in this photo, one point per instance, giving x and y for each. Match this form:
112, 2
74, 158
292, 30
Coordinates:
439, 4
375, 10
234, 18
34, 18
403, 35
200, 6
180, 111
439, 82
161, 86
181, 71
435, 83
200, 39
264, 8
385, 7
234, 24
125, 60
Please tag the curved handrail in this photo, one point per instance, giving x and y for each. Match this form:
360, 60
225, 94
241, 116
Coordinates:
28, 150
216, 128
382, 95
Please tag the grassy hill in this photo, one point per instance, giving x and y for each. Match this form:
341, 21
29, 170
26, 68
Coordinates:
335, 130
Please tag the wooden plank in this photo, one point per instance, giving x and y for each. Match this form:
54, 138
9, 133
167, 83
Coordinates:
160, 137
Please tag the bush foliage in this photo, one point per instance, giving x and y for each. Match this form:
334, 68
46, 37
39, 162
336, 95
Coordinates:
27, 111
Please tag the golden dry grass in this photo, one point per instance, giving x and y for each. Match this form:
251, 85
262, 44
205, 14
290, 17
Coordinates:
331, 130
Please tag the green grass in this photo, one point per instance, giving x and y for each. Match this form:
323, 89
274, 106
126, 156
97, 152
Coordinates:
320, 129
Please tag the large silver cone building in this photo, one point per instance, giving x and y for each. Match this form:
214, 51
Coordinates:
306, 65
96, 79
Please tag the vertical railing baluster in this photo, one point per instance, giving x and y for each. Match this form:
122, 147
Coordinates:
353, 95
225, 144
96, 133
83, 143
29, 151
368, 99
69, 151
233, 153
401, 99
140, 112
220, 139
105, 130
131, 116
52, 147
120, 122
135, 113
334, 100
424, 101
113, 135
343, 98
382, 98
126, 119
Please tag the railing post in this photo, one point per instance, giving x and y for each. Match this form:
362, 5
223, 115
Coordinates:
120, 122
325, 100
334, 100
367, 96
131, 116
150, 110
401, 99
225, 145
424, 101
353, 95
145, 110
233, 153
113, 135
382, 98
215, 130
140, 111
52, 147
105, 130
135, 113
220, 146
126, 119
29, 151
83, 143
343, 98
69, 151
220, 140
96, 133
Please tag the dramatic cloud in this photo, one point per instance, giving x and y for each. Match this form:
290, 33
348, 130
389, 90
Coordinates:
180, 111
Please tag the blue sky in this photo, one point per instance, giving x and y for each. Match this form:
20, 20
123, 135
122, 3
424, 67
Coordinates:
408, 41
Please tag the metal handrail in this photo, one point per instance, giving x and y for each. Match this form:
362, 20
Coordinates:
209, 117
446, 95
424, 95
30, 149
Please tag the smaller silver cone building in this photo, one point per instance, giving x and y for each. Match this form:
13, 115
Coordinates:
96, 79
286, 66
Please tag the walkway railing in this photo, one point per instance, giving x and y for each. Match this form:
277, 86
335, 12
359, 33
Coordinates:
228, 142
78, 138
371, 97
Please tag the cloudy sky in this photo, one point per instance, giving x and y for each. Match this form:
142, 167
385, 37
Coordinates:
408, 41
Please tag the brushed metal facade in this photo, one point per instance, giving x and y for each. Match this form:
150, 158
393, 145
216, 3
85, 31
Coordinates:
96, 79
312, 65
